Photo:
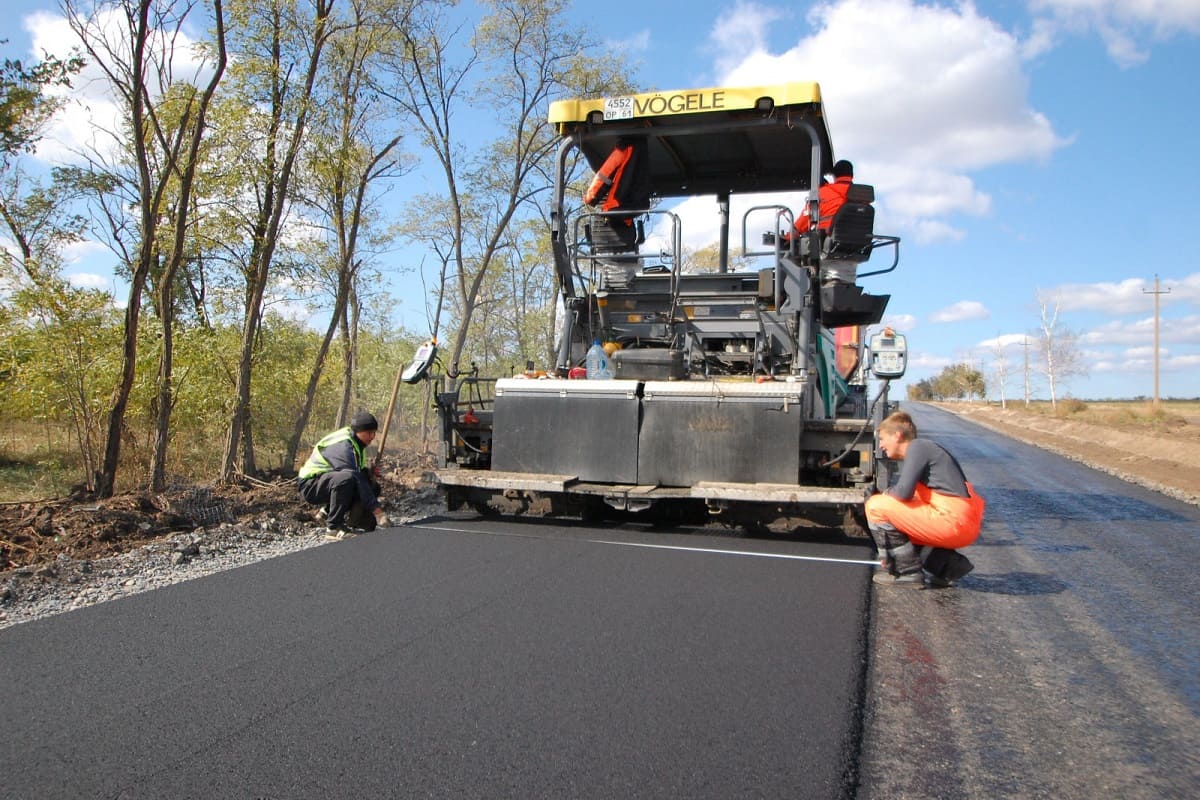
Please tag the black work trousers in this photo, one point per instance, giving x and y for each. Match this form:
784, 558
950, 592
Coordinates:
338, 492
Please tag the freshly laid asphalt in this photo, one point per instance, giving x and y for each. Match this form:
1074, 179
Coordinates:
456, 658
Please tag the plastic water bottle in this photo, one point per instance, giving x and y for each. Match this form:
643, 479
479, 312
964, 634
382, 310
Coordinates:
597, 362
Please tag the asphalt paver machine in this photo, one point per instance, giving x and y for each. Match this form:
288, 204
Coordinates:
741, 386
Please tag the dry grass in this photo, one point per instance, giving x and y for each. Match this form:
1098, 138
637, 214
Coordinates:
1171, 415
36, 462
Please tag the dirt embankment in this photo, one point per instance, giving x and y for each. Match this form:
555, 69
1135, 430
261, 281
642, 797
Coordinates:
81, 527
1166, 459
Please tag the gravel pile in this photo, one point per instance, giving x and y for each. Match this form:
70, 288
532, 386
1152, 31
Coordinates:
33, 592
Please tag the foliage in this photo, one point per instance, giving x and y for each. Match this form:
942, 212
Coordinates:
1071, 406
242, 206
955, 382
43, 372
57, 345
921, 391
25, 106
37, 460
706, 259
521, 56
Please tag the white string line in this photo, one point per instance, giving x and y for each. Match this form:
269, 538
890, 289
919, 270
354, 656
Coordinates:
711, 550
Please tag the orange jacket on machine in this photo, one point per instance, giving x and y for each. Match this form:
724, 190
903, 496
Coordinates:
832, 197
608, 178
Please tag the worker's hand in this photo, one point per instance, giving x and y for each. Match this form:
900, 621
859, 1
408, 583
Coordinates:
381, 518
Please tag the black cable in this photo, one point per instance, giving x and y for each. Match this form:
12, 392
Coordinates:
863, 429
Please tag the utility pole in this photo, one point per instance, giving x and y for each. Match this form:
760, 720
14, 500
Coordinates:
1156, 293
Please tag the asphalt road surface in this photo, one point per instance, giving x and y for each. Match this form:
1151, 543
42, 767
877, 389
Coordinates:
457, 658
477, 658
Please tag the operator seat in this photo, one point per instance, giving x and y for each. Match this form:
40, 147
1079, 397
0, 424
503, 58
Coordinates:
614, 243
853, 227
849, 239
608, 235
848, 243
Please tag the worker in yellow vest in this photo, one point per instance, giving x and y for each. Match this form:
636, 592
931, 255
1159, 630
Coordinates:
336, 476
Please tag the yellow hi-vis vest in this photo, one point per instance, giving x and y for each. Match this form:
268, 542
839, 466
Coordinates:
317, 465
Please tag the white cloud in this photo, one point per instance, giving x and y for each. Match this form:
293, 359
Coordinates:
77, 252
1130, 296
918, 96
634, 42
1182, 363
928, 362
1175, 330
960, 311
1005, 342
92, 117
739, 35
1140, 363
1125, 26
1043, 36
90, 280
902, 323
1143, 353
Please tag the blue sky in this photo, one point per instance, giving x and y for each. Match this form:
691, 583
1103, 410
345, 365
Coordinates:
1017, 148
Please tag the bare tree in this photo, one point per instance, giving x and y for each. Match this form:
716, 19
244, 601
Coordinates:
181, 155
1059, 346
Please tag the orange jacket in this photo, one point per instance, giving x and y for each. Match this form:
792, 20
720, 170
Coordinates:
608, 177
832, 197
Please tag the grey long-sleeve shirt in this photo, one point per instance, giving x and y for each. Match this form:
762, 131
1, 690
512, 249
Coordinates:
929, 463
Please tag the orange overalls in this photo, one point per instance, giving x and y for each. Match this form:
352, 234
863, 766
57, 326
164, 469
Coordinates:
931, 518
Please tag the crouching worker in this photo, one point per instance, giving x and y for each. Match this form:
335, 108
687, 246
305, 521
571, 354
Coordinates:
931, 506
336, 476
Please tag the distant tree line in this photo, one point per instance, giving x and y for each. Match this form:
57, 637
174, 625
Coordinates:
1051, 354
955, 382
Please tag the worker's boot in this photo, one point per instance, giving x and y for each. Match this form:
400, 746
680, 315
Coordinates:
946, 566
906, 568
881, 532
360, 518
900, 564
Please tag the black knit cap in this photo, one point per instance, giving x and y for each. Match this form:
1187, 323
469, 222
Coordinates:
363, 421
843, 169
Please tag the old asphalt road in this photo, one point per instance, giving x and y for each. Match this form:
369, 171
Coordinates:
1066, 666
467, 658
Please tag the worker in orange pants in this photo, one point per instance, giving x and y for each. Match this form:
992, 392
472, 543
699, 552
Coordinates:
931, 505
